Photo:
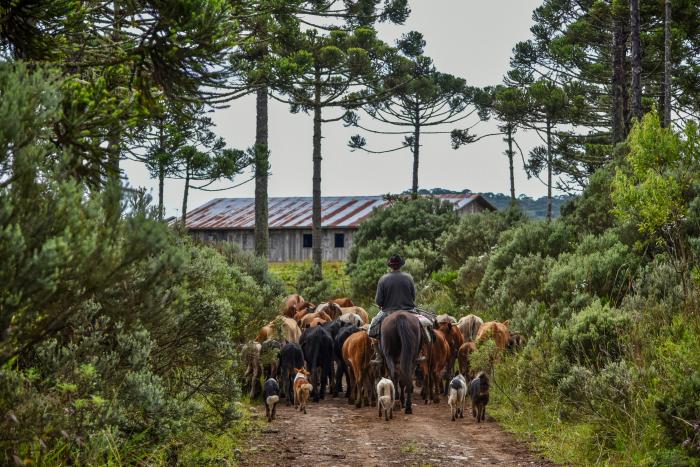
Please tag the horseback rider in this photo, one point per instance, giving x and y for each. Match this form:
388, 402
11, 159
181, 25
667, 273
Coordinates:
396, 291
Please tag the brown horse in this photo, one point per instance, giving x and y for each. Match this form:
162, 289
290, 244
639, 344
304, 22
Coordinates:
357, 353
469, 325
455, 339
400, 344
289, 308
496, 331
463, 356
343, 302
437, 355
307, 319
331, 309
290, 330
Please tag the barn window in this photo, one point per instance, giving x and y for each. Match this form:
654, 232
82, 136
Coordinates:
307, 241
340, 240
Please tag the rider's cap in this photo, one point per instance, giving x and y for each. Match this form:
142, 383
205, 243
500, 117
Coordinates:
396, 261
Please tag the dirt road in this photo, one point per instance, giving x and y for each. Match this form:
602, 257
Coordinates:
335, 433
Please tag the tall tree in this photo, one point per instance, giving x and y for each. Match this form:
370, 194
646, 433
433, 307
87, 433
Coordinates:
636, 49
326, 72
620, 91
187, 148
667, 65
548, 106
266, 23
509, 105
269, 25
416, 98
114, 73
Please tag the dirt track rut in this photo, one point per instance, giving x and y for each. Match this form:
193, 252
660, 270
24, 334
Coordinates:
335, 433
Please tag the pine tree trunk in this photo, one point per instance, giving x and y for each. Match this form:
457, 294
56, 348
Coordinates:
113, 138
549, 171
636, 46
161, 187
619, 79
261, 170
185, 194
510, 164
317, 240
667, 65
161, 171
114, 151
416, 158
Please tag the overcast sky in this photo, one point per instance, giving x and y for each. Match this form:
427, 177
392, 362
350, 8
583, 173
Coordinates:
468, 38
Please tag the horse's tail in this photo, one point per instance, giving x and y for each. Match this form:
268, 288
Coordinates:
408, 349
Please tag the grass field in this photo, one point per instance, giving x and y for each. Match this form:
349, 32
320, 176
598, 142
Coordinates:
333, 271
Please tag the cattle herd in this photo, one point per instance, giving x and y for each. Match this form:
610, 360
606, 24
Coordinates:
309, 350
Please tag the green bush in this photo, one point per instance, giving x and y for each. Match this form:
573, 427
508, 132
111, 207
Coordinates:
599, 267
410, 228
474, 235
117, 334
677, 380
540, 239
593, 337
405, 221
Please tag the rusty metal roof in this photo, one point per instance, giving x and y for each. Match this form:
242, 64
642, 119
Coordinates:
291, 213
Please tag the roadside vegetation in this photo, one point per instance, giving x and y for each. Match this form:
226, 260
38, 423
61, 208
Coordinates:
607, 297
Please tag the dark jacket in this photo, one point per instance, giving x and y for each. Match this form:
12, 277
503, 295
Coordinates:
396, 291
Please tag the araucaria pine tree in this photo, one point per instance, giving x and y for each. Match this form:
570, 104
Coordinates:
414, 98
326, 72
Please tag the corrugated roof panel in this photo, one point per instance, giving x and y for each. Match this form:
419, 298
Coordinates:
295, 212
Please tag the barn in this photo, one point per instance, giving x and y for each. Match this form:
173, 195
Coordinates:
233, 220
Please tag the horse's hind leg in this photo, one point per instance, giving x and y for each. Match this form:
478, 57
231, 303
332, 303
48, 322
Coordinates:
409, 396
391, 366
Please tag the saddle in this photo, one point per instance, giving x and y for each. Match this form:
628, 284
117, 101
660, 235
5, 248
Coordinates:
427, 327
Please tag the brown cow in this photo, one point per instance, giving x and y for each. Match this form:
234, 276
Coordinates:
455, 339
469, 325
437, 354
359, 311
497, 331
331, 309
306, 320
289, 328
357, 353
343, 302
290, 305
463, 357
316, 321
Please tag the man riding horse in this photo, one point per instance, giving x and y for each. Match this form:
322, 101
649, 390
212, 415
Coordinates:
395, 292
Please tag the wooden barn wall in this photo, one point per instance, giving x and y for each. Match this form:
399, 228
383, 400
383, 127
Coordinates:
285, 244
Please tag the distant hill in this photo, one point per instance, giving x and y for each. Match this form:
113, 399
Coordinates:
533, 207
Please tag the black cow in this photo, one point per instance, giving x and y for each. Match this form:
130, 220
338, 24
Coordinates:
341, 367
317, 345
334, 327
291, 357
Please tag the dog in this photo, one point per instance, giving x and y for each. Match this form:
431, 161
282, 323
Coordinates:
385, 398
479, 392
271, 396
458, 392
302, 388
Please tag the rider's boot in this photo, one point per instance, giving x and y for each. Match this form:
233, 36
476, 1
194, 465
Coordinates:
378, 355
